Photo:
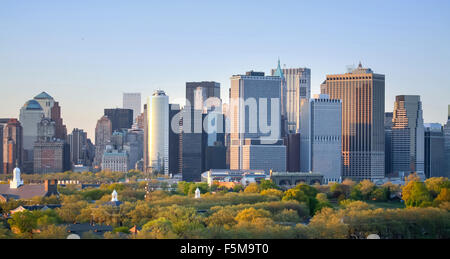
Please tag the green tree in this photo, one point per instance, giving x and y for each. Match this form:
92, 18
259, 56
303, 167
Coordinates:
273, 192
4, 232
380, 194
24, 221
52, 232
251, 214
366, 187
252, 188
328, 224
267, 184
238, 188
355, 193
160, 228
223, 218
436, 184
444, 196
416, 194
322, 202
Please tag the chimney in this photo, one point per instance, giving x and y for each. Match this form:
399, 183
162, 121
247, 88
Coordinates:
51, 187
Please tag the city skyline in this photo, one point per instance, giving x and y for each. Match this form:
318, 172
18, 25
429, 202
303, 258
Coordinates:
88, 59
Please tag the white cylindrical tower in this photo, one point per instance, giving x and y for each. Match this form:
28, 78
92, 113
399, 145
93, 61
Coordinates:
158, 125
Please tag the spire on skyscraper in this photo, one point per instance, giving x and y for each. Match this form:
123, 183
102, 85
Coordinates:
279, 72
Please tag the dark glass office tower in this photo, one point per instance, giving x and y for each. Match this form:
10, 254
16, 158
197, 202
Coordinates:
120, 118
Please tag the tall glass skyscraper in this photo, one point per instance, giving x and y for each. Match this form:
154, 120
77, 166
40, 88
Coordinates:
320, 137
434, 151
198, 92
158, 119
30, 115
251, 147
362, 95
408, 135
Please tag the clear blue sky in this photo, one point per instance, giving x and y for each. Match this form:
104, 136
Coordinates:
87, 53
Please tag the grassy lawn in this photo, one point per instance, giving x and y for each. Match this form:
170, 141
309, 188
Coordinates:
387, 205
377, 204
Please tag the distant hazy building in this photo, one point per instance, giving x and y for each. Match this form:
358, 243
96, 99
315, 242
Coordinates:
3, 121
362, 93
30, 116
407, 135
134, 141
145, 162
46, 102
254, 88
447, 143
132, 101
11, 148
198, 92
158, 119
115, 160
120, 118
320, 139
298, 86
103, 132
50, 155
434, 151
388, 116
81, 149
60, 128
140, 121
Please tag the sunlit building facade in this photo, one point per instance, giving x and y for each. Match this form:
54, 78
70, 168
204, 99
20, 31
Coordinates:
158, 119
362, 93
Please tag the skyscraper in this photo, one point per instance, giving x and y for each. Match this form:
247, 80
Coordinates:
3, 121
146, 164
46, 102
80, 150
120, 118
158, 118
50, 155
298, 86
388, 116
133, 145
407, 135
198, 92
293, 152
132, 101
11, 136
362, 95
174, 140
320, 139
30, 115
255, 111
434, 151
103, 132
447, 143
191, 144
60, 128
